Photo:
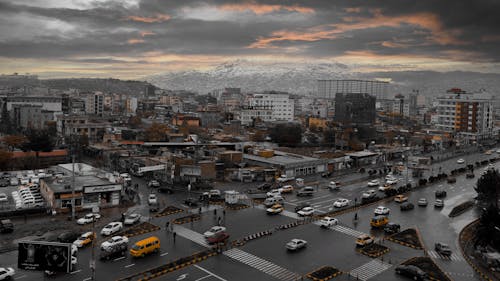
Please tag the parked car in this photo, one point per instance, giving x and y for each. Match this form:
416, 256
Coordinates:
14, 181
166, 189
411, 271
275, 209
369, 194
114, 252
84, 239
6, 226
132, 219
326, 174
341, 202
3, 198
152, 199
470, 175
296, 244
381, 210
422, 202
400, 198
385, 187
406, 206
214, 230
364, 240
440, 193
6, 273
153, 183
442, 249
373, 183
218, 238
88, 218
392, 228
307, 211
392, 181
4, 182
111, 228
439, 203
460, 161
113, 241
68, 237
328, 221
306, 191
286, 189
284, 178
302, 206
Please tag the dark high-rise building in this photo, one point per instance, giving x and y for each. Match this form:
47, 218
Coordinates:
354, 109
150, 91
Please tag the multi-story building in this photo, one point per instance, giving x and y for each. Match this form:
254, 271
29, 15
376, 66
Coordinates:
47, 103
327, 89
94, 103
355, 109
32, 116
468, 115
281, 104
131, 105
249, 114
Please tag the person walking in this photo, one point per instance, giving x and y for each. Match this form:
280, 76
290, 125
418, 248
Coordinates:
167, 224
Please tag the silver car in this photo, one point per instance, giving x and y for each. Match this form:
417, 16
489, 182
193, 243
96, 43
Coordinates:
296, 244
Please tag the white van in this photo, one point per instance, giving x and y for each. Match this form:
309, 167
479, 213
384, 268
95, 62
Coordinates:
273, 200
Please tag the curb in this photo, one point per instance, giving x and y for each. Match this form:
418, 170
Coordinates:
309, 275
380, 253
163, 214
469, 261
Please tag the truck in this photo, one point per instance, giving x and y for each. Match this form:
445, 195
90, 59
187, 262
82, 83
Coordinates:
6, 226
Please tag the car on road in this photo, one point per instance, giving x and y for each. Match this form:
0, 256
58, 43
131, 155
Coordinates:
364, 239
379, 221
392, 181
333, 185
460, 161
218, 238
328, 221
88, 218
275, 209
407, 206
153, 183
111, 228
422, 202
381, 210
400, 198
273, 200
152, 199
166, 189
385, 187
284, 178
306, 191
3, 198
113, 241
392, 228
84, 239
369, 194
307, 211
296, 244
68, 237
214, 230
132, 219
286, 189
341, 202
326, 174
265, 186
6, 273
411, 271
191, 202
6, 226
114, 252
440, 193
302, 206
439, 203
373, 183
273, 193
442, 249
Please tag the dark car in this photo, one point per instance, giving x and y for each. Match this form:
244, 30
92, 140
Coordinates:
191, 202
6, 226
4, 182
265, 186
442, 249
470, 175
218, 238
302, 206
440, 193
154, 207
326, 174
411, 271
451, 180
166, 189
113, 252
392, 228
406, 206
68, 237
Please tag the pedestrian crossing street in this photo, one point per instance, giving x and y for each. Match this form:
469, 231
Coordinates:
189, 234
370, 269
262, 265
453, 257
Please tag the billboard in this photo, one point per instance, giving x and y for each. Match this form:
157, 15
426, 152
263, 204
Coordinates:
42, 255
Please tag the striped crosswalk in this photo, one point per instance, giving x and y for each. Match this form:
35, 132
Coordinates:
369, 270
347, 230
453, 256
191, 235
261, 264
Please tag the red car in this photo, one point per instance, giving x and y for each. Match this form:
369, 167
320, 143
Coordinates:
218, 238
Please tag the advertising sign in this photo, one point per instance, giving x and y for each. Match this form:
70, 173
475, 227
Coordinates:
42, 255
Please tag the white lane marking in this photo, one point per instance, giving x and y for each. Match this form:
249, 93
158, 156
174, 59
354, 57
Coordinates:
120, 258
75, 272
164, 254
130, 265
87, 279
211, 273
182, 276
22, 276
206, 276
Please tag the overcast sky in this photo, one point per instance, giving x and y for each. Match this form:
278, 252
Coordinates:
134, 38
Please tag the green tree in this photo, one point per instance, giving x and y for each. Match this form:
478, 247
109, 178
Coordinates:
39, 140
287, 134
488, 187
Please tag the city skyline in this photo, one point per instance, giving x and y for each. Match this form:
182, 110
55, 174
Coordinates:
134, 38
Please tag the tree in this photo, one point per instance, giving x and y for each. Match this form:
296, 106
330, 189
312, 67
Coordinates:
14, 141
287, 134
488, 187
39, 140
5, 159
156, 132
487, 231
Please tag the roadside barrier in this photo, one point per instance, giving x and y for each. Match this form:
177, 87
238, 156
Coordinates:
467, 258
313, 275
186, 219
139, 229
169, 210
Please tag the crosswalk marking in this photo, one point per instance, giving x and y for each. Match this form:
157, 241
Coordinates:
453, 257
261, 264
191, 235
370, 269
347, 230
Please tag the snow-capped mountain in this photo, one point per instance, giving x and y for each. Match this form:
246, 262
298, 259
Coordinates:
297, 78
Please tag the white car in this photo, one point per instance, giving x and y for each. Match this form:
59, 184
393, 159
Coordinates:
153, 183
113, 241
369, 194
328, 221
332, 185
213, 231
126, 177
3, 197
131, 219
284, 178
373, 183
111, 228
307, 211
152, 199
460, 161
24, 181
391, 181
14, 181
6, 273
384, 187
381, 210
88, 218
273, 193
296, 244
341, 202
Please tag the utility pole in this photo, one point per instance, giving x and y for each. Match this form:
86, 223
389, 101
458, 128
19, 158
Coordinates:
92, 259
73, 186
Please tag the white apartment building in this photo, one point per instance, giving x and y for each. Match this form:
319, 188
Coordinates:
281, 104
468, 115
258, 113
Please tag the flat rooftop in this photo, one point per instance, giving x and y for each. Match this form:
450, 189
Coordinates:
281, 158
64, 184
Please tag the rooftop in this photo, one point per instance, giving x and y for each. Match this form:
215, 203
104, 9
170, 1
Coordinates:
64, 184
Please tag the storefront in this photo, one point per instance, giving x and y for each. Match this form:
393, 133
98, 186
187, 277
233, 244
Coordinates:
102, 195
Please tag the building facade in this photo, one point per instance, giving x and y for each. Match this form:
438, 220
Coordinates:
355, 109
282, 106
327, 89
94, 103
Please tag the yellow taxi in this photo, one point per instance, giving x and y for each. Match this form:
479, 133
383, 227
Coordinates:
275, 209
400, 198
84, 239
379, 221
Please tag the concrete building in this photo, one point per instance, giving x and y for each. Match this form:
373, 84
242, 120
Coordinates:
47, 103
355, 109
91, 126
32, 116
468, 115
131, 105
293, 165
94, 103
249, 114
327, 89
282, 106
